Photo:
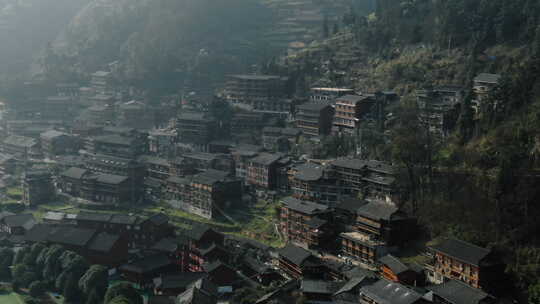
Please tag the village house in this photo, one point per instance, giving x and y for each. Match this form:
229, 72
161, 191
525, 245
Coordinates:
175, 284
315, 119
200, 239
143, 270
280, 139
457, 292
316, 291
314, 182
204, 193
55, 143
329, 94
116, 145
297, 262
462, 261
384, 291
242, 156
483, 84
38, 187
176, 247
21, 147
306, 224
396, 271
439, 108
246, 122
262, 170
97, 247
16, 224
249, 90
194, 128
349, 110
139, 232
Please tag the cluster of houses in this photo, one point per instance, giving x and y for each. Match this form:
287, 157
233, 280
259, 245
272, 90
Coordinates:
202, 265
341, 218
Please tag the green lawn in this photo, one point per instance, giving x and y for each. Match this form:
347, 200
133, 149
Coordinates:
11, 298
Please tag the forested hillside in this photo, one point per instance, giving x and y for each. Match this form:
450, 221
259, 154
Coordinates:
481, 184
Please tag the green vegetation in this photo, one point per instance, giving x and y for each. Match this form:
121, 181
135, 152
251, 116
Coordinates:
11, 298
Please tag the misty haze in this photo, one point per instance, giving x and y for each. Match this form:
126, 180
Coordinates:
269, 151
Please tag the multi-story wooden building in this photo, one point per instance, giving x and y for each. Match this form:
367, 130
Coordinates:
439, 108
139, 232
54, 143
203, 193
362, 247
247, 89
305, 224
484, 84
21, 147
200, 239
315, 119
117, 145
349, 110
392, 269
313, 182
462, 261
195, 128
262, 170
242, 156
297, 262
384, 292
38, 187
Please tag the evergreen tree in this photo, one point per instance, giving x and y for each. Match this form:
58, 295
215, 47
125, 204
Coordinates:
71, 289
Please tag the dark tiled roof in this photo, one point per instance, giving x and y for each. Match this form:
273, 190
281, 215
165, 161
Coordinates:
295, 254
198, 231
351, 98
39, 233
147, 264
456, 292
94, 217
320, 287
210, 177
488, 78
350, 203
316, 223
309, 172
355, 272
393, 263
377, 210
350, 163
386, 292
303, 206
213, 247
206, 286
313, 106
20, 141
256, 265
114, 139
380, 166
158, 219
123, 219
209, 268
52, 134
266, 159
352, 284
463, 251
111, 179
195, 296
103, 242
20, 220
71, 236
75, 173
166, 245
181, 281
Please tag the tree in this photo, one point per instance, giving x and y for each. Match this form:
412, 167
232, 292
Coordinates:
95, 297
534, 293
37, 288
123, 290
71, 289
119, 300
94, 280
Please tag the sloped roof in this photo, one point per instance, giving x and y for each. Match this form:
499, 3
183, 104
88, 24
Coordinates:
71, 236
180, 281
39, 233
309, 172
351, 163
266, 158
320, 287
147, 264
303, 206
25, 220
166, 245
459, 293
94, 216
295, 254
350, 203
463, 251
75, 173
394, 264
50, 134
377, 210
386, 292
111, 178
20, 141
103, 242
123, 219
